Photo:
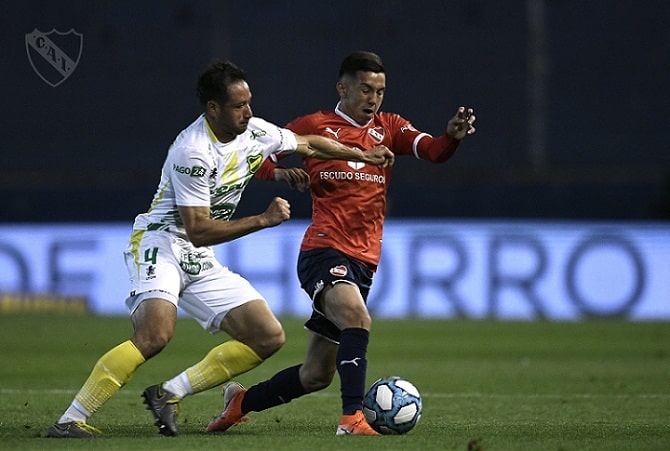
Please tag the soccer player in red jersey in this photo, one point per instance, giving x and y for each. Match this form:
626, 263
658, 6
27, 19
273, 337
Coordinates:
341, 248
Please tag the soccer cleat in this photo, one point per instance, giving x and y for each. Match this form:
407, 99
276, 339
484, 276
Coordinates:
233, 393
72, 429
355, 425
165, 408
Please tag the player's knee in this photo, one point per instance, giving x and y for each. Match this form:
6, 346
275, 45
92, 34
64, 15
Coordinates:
276, 340
270, 342
359, 318
151, 344
366, 321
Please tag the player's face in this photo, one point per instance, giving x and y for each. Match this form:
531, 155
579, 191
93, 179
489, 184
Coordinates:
230, 119
361, 96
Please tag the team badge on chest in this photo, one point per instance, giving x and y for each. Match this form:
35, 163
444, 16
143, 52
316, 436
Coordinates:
377, 133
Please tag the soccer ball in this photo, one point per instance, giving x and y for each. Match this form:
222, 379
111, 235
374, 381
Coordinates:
392, 405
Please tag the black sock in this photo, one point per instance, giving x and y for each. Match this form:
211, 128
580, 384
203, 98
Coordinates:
352, 366
279, 389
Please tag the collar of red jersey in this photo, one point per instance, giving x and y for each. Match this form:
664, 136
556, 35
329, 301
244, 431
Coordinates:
344, 116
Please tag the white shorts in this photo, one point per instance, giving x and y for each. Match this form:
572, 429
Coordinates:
162, 265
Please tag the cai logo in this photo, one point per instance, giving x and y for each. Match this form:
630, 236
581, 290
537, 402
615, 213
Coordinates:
54, 55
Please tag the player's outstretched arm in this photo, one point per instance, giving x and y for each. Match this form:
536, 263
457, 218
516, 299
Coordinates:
441, 148
320, 147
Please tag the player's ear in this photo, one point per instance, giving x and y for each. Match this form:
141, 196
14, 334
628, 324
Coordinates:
211, 107
341, 89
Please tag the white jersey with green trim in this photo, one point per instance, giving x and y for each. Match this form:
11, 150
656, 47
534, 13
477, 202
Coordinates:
200, 171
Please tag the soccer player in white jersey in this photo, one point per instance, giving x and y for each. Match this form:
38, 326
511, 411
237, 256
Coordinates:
171, 261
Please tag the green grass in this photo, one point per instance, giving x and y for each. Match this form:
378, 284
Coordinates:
511, 386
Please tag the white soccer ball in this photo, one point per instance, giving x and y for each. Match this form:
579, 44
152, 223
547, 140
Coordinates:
392, 405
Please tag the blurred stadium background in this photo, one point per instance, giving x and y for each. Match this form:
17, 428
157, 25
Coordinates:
571, 99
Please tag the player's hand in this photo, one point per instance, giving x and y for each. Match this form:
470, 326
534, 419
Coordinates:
295, 178
379, 156
277, 212
461, 125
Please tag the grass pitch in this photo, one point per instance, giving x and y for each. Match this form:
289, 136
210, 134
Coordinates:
485, 385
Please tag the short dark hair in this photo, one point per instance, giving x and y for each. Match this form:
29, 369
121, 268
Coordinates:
213, 82
361, 60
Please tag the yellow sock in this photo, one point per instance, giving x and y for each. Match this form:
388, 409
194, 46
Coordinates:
112, 371
222, 364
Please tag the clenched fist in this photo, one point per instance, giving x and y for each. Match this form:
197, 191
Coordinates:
277, 212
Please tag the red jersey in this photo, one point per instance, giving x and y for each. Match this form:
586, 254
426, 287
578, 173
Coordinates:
349, 198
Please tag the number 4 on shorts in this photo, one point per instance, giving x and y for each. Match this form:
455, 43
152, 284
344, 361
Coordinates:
150, 255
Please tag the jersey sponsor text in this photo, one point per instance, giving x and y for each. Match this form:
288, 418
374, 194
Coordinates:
350, 175
195, 171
